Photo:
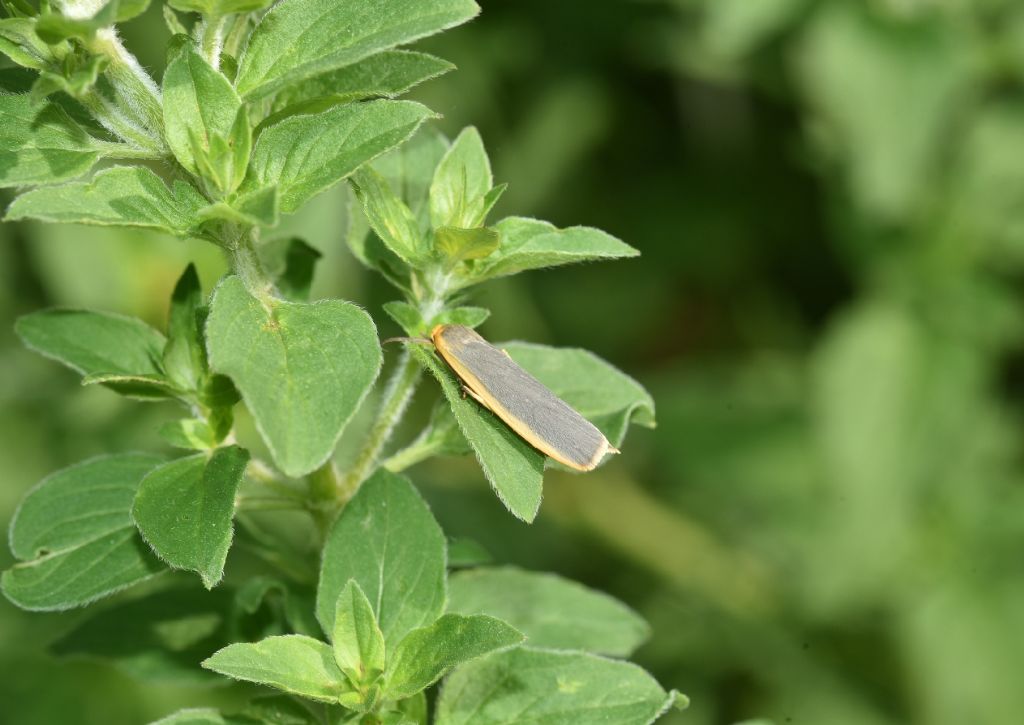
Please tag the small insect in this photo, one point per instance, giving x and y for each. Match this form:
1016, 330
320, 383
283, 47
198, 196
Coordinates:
530, 409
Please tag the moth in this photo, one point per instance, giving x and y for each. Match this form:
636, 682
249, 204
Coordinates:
545, 421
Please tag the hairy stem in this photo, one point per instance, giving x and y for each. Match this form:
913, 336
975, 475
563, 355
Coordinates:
419, 450
246, 263
397, 395
136, 94
212, 39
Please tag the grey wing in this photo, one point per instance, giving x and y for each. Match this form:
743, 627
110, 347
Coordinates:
527, 399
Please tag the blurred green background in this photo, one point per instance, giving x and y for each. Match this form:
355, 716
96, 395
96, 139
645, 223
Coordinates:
827, 525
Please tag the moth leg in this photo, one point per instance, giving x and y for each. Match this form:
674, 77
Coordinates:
506, 353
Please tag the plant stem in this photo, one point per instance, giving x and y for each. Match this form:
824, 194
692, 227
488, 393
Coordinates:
397, 395
247, 265
212, 39
419, 450
137, 95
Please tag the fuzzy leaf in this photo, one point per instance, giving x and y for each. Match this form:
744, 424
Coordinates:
200, 105
513, 467
291, 261
358, 641
218, 8
41, 144
304, 155
299, 39
461, 182
20, 42
409, 170
184, 508
302, 368
189, 433
456, 244
388, 216
184, 355
160, 637
407, 317
294, 663
528, 685
387, 541
468, 316
532, 244
93, 343
74, 535
384, 75
138, 387
428, 653
130, 196
549, 610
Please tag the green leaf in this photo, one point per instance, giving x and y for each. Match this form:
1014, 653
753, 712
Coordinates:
93, 343
128, 9
41, 144
184, 508
468, 316
528, 685
358, 641
461, 182
20, 42
513, 467
290, 261
218, 8
532, 244
139, 387
407, 317
428, 653
160, 637
173, 22
295, 603
302, 369
409, 170
54, 27
551, 611
77, 77
257, 208
294, 663
410, 320
190, 434
467, 553
130, 196
458, 245
200, 716
601, 393
387, 541
74, 535
384, 75
184, 355
389, 217
299, 39
304, 155
414, 709
278, 710
200, 103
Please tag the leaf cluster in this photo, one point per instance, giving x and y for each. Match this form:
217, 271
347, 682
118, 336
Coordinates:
260, 109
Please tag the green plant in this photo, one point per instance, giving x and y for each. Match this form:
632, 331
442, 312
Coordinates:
260, 109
